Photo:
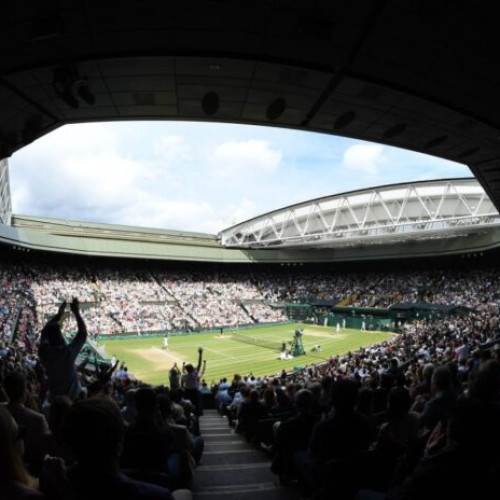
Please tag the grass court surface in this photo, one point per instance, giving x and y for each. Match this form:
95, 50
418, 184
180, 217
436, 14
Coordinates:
147, 360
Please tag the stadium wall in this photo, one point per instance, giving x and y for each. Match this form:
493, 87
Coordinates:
227, 330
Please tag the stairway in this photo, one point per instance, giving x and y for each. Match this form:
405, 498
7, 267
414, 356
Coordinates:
247, 312
233, 469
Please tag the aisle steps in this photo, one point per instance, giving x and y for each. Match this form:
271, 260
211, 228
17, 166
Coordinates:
233, 469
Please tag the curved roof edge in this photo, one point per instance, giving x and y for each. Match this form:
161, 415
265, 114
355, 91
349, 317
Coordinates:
393, 212
352, 192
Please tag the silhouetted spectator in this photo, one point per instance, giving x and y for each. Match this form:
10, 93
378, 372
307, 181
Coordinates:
293, 435
468, 466
344, 434
15, 481
148, 441
249, 413
34, 423
58, 358
94, 432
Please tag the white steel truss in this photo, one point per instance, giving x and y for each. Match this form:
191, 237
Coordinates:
419, 210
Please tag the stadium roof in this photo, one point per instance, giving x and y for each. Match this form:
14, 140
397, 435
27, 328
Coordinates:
394, 213
421, 75
423, 219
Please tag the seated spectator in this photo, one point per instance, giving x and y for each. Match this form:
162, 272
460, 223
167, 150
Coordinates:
467, 466
250, 412
284, 407
183, 440
485, 383
293, 435
94, 432
129, 412
425, 375
438, 407
396, 440
34, 423
231, 410
15, 481
269, 399
56, 447
147, 444
337, 445
183, 410
346, 432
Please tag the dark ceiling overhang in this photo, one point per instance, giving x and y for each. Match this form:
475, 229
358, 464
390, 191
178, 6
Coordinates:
420, 75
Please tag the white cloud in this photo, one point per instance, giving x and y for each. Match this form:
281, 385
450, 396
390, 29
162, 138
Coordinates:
194, 177
363, 158
106, 181
234, 158
171, 149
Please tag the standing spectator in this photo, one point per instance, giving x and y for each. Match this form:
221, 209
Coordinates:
174, 376
58, 358
190, 382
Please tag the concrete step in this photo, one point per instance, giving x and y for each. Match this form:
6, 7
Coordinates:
231, 468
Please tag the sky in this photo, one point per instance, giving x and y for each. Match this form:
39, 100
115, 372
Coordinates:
200, 177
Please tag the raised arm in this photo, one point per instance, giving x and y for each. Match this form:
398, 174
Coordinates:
60, 311
104, 374
58, 316
81, 336
203, 368
200, 356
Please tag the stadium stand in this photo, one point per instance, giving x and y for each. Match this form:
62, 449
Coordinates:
382, 71
403, 402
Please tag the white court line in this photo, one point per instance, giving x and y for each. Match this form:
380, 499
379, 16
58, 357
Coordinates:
244, 359
168, 354
217, 352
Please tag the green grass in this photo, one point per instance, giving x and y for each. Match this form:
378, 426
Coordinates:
225, 357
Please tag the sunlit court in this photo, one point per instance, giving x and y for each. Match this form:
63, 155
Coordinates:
149, 361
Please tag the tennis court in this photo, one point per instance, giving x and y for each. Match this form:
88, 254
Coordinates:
225, 356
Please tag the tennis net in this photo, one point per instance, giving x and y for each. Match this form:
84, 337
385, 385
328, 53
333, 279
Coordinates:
248, 339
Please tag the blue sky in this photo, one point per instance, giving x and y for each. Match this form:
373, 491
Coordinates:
198, 176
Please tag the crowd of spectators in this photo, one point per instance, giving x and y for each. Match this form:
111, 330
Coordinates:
397, 420
67, 432
384, 421
142, 301
16, 303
